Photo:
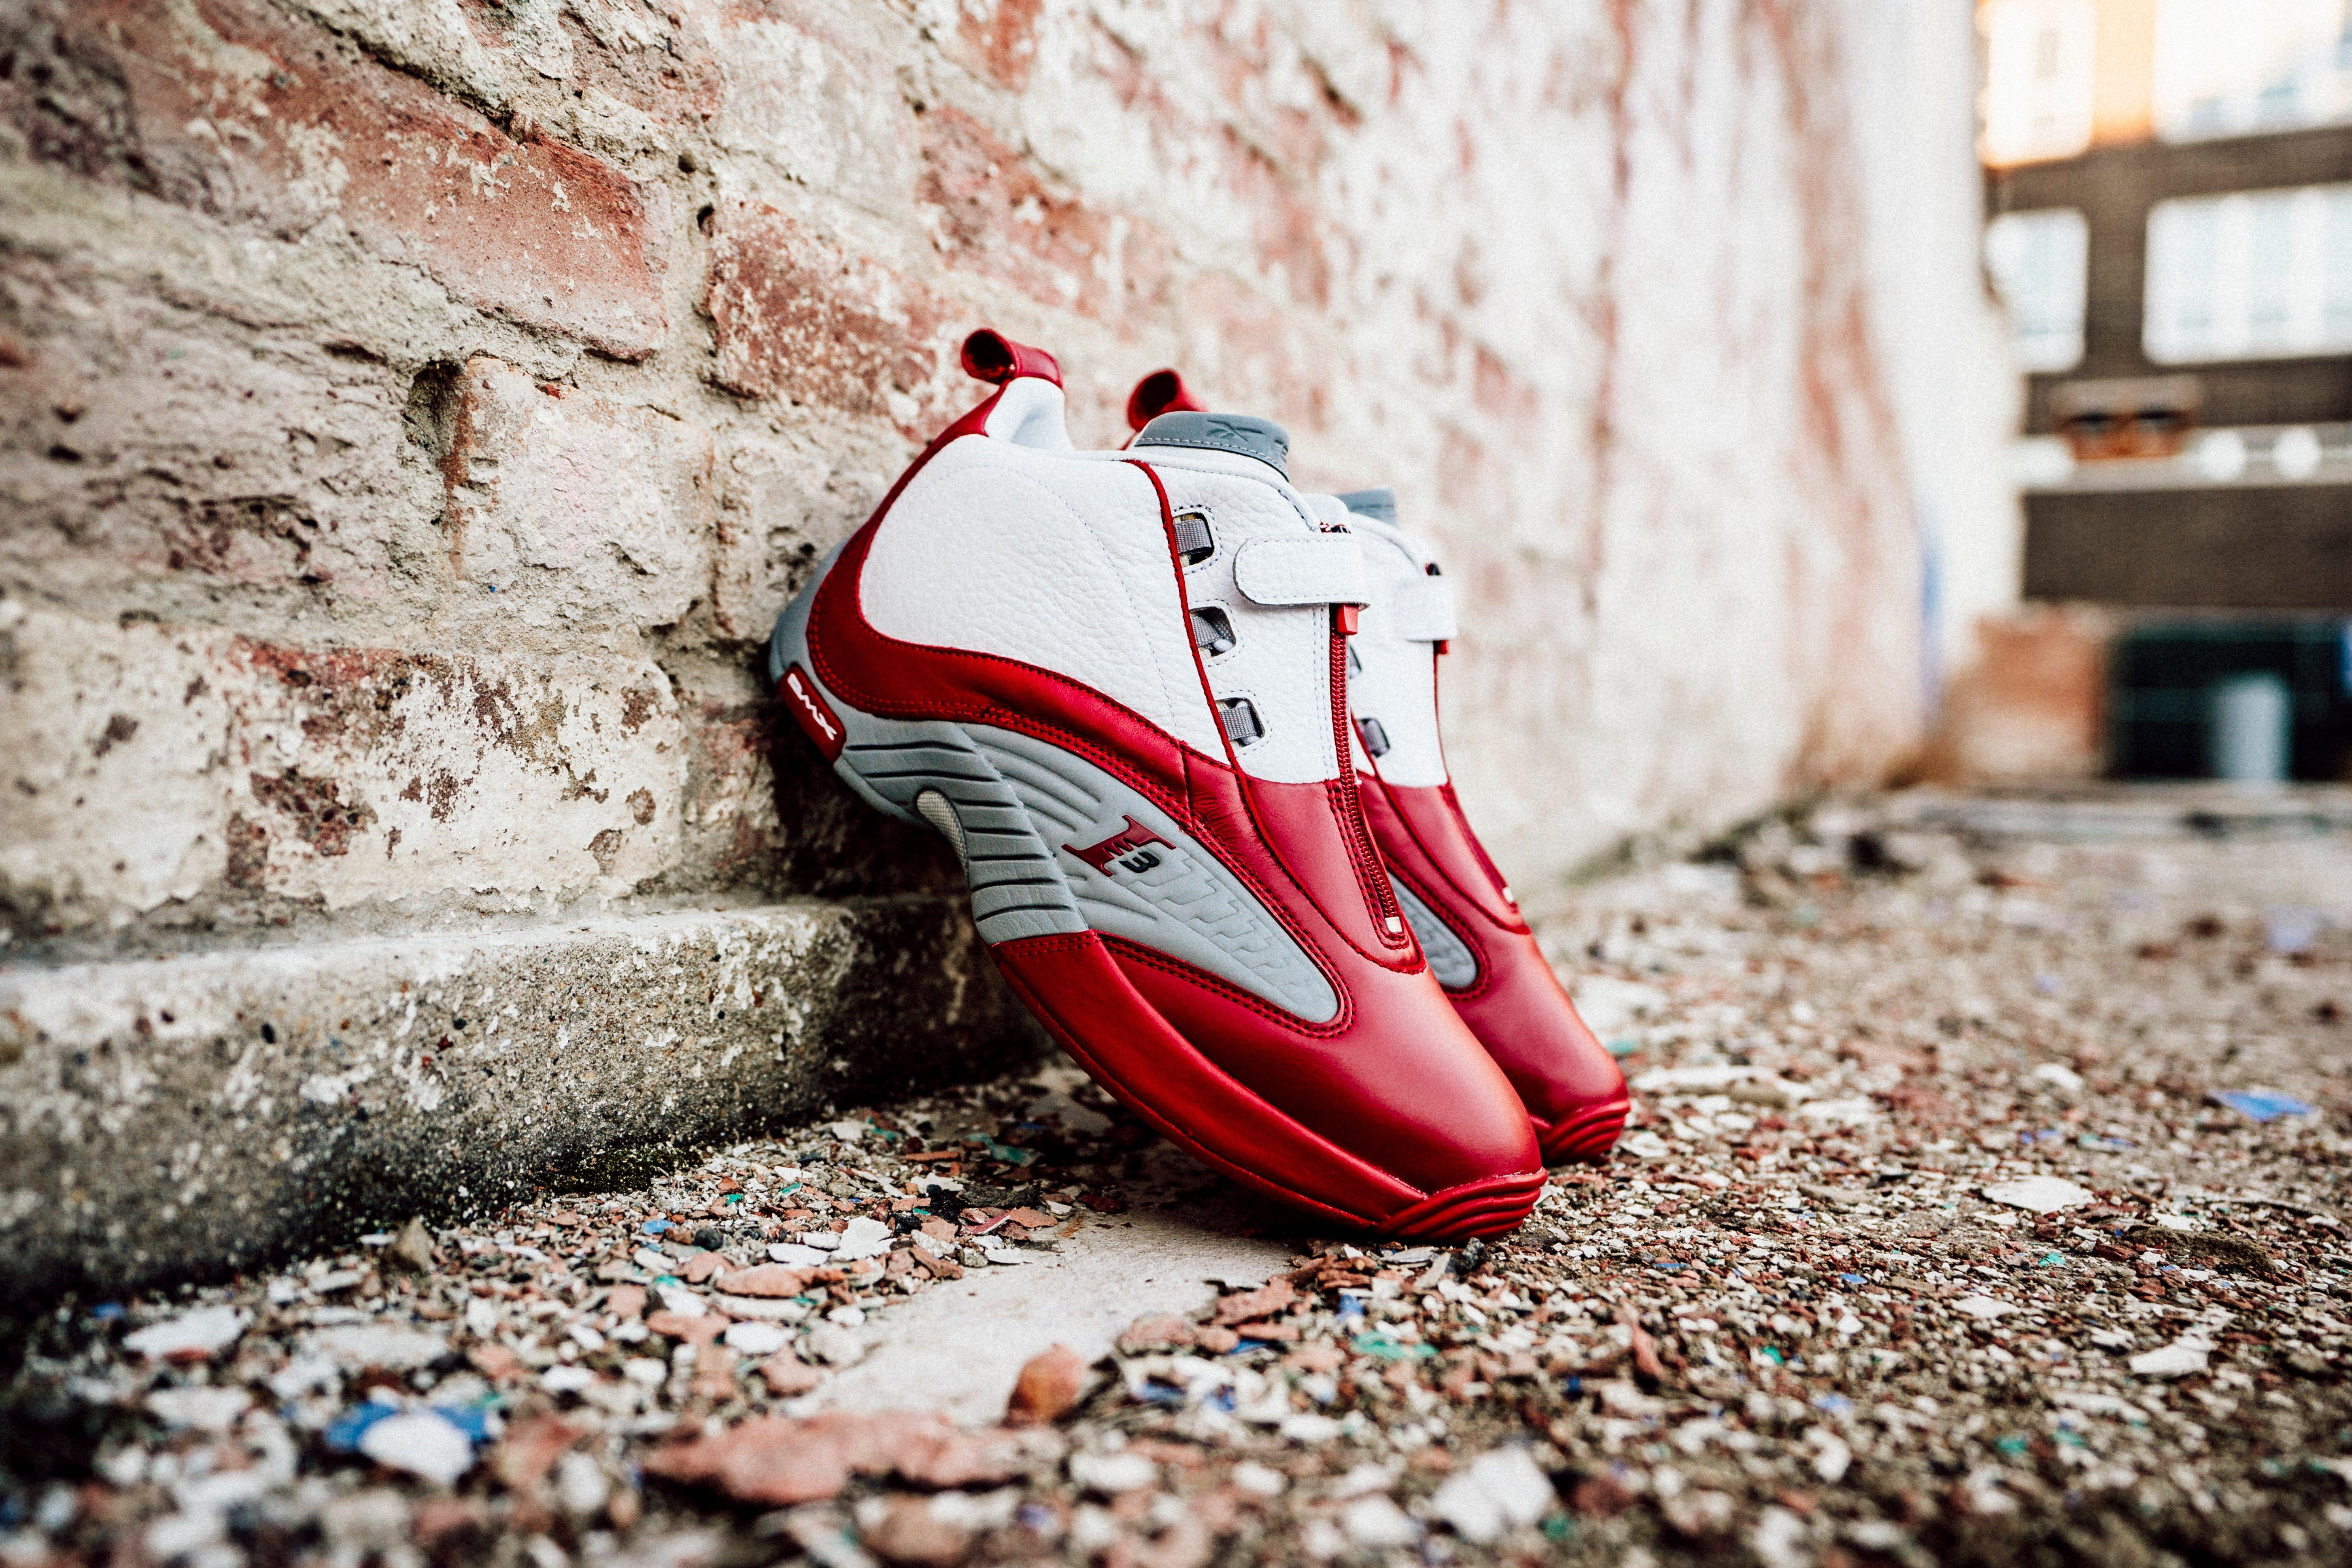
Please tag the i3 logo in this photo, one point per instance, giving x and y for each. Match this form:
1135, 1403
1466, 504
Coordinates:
1127, 846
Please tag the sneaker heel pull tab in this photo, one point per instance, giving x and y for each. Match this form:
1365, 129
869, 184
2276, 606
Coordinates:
1161, 392
990, 356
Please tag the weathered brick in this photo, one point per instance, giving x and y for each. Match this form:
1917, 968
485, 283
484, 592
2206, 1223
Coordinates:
161, 764
615, 76
234, 108
149, 461
996, 214
999, 38
588, 512
781, 507
796, 316
813, 109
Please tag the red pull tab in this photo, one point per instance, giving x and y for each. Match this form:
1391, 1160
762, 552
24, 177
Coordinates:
990, 356
1346, 618
1161, 392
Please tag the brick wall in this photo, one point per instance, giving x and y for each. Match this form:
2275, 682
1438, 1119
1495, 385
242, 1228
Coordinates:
412, 414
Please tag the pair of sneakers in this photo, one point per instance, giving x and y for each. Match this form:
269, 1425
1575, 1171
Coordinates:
1179, 721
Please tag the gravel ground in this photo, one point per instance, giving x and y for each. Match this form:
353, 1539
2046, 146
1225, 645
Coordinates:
1930, 1242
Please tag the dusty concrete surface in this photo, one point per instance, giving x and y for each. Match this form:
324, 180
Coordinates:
964, 1344
206, 1114
1930, 1242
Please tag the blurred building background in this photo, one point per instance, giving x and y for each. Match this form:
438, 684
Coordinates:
2168, 198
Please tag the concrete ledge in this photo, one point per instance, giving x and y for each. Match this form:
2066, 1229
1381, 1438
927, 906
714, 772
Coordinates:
185, 1116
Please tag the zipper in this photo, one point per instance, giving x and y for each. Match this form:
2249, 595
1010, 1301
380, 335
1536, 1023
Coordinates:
1371, 874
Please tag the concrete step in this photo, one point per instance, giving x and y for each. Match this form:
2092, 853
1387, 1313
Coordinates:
201, 1114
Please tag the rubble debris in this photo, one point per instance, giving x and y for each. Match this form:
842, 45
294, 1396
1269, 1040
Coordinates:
411, 1249
2182, 1356
424, 1443
1497, 1492
1051, 1385
2262, 1105
1931, 1240
2040, 1195
191, 1337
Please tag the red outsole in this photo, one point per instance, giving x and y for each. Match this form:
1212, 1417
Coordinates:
1491, 1207
1584, 1137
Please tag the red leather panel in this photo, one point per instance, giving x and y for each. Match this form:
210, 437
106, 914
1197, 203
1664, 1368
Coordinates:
1517, 1006
1401, 1079
1430, 818
1161, 392
1079, 993
1308, 826
1522, 1016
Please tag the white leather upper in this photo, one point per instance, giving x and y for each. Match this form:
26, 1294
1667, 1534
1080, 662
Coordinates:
1327, 569
1420, 608
1046, 557
1281, 658
1328, 511
1031, 412
1012, 544
1395, 640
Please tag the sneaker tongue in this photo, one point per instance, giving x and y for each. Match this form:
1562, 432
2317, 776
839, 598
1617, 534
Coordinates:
1379, 504
1252, 437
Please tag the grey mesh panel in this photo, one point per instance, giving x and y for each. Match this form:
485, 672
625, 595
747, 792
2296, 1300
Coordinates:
1450, 959
1187, 905
936, 809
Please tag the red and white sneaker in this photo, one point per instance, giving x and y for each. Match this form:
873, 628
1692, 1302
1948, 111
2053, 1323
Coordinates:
1456, 902
1116, 682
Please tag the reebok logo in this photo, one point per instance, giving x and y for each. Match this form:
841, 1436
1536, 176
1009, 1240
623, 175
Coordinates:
1248, 437
1126, 847
817, 720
